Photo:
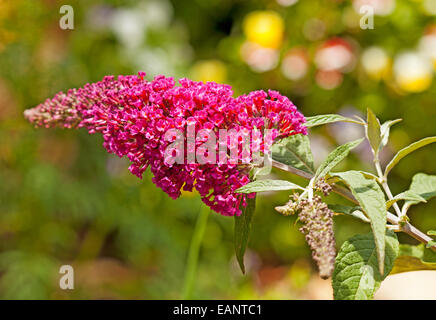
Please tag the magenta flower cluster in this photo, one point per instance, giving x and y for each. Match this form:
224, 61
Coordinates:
134, 114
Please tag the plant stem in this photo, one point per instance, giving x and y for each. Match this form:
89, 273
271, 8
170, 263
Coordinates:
292, 170
405, 227
194, 250
385, 186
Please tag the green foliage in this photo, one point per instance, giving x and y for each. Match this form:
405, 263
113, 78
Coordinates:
36, 271
373, 132
409, 196
327, 118
424, 185
431, 243
384, 132
414, 258
407, 150
268, 185
194, 250
355, 211
363, 261
372, 201
356, 275
294, 151
242, 231
336, 156
64, 200
259, 171
369, 175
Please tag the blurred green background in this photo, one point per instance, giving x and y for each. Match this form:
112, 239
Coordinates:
64, 200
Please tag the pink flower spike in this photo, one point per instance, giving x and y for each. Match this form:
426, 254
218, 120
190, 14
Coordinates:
133, 115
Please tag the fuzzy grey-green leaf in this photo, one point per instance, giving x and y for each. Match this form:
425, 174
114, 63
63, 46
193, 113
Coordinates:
355, 211
407, 150
413, 258
369, 175
267, 185
385, 130
373, 133
242, 231
430, 244
294, 151
372, 201
356, 275
408, 195
336, 156
327, 118
424, 185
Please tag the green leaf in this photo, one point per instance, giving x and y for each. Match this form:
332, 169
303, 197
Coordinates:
242, 230
430, 244
414, 258
267, 185
262, 171
369, 175
356, 275
365, 174
373, 132
355, 211
385, 130
336, 156
406, 195
405, 151
424, 185
327, 118
294, 151
372, 201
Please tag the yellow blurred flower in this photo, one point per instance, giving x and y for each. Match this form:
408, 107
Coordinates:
413, 72
415, 85
264, 28
376, 63
209, 70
